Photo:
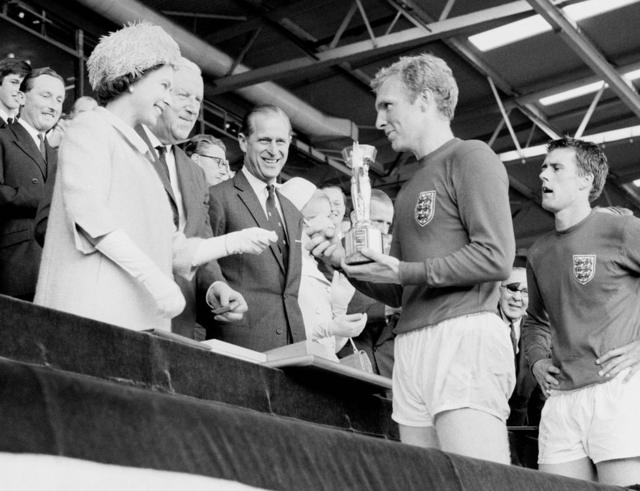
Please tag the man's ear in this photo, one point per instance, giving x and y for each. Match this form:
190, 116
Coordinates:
426, 99
587, 181
242, 141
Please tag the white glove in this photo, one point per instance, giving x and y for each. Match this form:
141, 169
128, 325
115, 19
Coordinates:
123, 251
252, 240
348, 326
165, 292
341, 294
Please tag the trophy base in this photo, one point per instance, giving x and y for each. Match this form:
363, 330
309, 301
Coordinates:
358, 237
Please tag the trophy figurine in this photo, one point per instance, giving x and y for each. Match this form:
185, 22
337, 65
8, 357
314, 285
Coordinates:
362, 233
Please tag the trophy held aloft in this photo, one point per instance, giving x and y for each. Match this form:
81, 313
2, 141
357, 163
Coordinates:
362, 233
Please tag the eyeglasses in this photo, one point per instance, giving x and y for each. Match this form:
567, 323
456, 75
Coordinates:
514, 288
219, 161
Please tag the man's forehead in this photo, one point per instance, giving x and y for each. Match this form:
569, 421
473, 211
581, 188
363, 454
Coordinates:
561, 156
391, 89
516, 276
271, 122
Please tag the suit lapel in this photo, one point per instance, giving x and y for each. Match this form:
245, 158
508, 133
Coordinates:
155, 160
23, 140
250, 200
189, 186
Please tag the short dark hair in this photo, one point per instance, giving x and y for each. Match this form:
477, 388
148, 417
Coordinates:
195, 144
107, 90
248, 127
11, 66
590, 158
27, 83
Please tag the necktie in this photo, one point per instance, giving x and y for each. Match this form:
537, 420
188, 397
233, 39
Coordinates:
164, 169
42, 147
162, 158
514, 338
9, 120
275, 224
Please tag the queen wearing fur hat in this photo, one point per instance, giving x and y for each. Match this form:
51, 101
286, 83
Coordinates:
111, 247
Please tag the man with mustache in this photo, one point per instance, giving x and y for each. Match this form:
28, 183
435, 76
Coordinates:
27, 161
185, 184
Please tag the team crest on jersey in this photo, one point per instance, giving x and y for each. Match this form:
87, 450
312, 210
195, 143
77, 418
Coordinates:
584, 267
425, 207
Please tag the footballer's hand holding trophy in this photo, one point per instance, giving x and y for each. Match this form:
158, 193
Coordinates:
362, 233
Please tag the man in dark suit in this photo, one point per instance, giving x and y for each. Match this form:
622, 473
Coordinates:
270, 281
184, 182
26, 162
12, 73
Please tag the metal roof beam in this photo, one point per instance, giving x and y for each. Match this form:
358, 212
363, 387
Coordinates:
586, 50
464, 24
464, 49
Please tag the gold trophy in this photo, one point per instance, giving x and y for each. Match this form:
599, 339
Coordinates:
362, 234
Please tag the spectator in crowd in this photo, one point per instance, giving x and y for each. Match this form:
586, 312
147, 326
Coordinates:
184, 182
338, 208
269, 282
377, 338
512, 306
526, 401
27, 161
209, 153
80, 105
323, 302
12, 73
111, 242
583, 280
452, 243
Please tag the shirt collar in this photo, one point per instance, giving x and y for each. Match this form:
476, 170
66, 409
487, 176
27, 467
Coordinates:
258, 186
153, 139
31, 130
4, 115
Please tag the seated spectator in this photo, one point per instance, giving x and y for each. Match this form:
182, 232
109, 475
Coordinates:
209, 153
12, 73
323, 303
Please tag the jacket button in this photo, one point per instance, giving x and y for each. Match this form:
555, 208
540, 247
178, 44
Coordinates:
34, 180
278, 331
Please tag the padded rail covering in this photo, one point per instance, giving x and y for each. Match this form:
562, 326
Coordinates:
49, 411
39, 335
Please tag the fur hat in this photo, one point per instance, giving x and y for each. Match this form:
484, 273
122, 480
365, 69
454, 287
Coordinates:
131, 50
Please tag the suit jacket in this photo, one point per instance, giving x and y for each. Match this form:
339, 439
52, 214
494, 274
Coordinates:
195, 202
23, 174
269, 286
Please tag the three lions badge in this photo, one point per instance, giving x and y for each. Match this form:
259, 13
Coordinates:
584, 267
425, 207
